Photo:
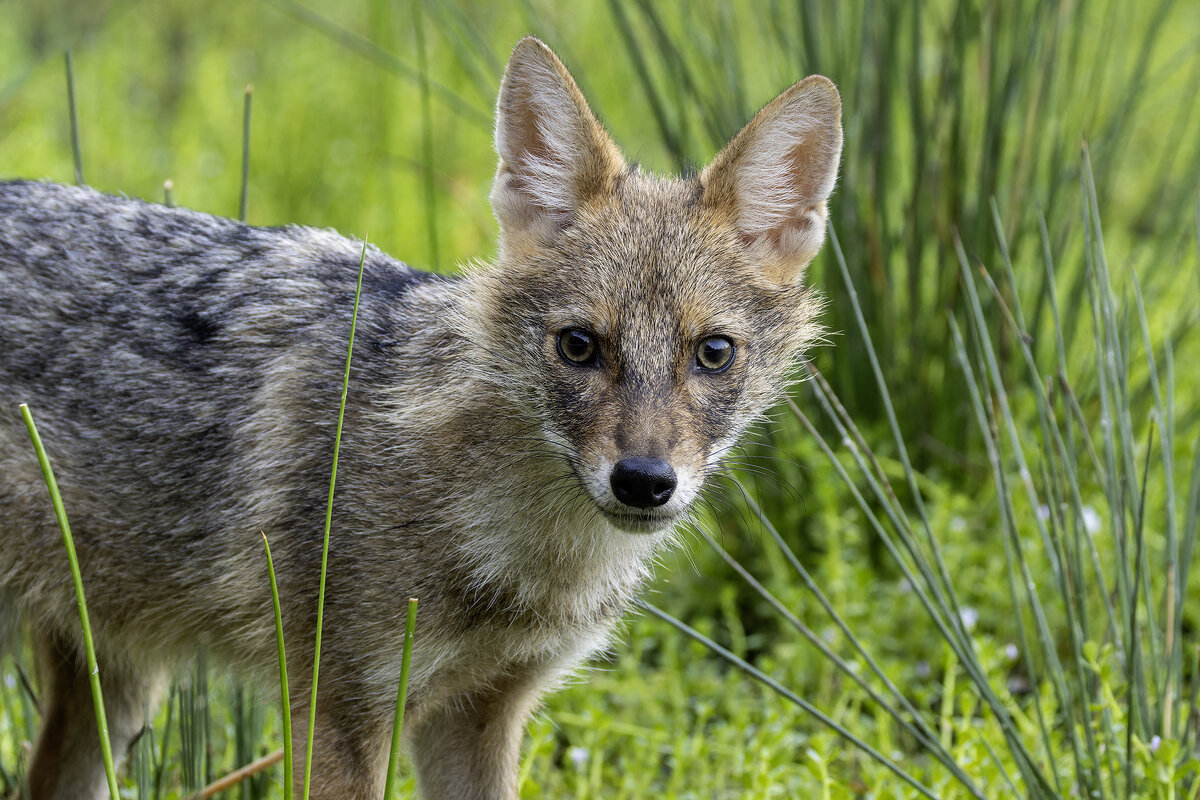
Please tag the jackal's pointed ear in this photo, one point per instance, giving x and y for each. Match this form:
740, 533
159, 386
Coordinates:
554, 154
776, 174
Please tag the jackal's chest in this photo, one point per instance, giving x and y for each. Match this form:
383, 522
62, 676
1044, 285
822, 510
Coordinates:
541, 569
533, 658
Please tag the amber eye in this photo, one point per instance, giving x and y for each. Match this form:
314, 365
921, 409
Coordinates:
577, 346
714, 354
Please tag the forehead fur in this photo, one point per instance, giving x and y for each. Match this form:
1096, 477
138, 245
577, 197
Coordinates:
652, 244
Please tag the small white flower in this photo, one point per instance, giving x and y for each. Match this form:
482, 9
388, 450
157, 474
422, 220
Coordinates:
829, 634
969, 617
958, 524
1043, 512
1155, 742
905, 585
1091, 520
1011, 652
579, 756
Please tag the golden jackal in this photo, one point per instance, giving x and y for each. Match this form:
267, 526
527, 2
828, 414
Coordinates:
519, 442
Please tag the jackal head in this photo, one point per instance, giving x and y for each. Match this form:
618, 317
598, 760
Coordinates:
645, 322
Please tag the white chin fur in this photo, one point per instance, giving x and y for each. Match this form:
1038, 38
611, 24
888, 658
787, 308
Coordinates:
638, 523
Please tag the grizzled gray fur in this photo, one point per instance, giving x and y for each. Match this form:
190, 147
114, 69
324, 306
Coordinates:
519, 442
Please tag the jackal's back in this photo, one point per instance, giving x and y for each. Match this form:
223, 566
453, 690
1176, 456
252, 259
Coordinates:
184, 371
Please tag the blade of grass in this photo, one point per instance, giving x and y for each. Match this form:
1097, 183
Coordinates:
337, 443
986, 414
431, 215
26, 684
160, 763
245, 734
60, 514
472, 49
666, 130
27, 699
1174, 679
410, 626
1076, 612
285, 702
954, 636
1108, 361
944, 586
1179, 578
193, 727
141, 752
1189, 539
373, 52
1160, 671
245, 152
1013, 557
783, 691
1134, 677
917, 728
76, 150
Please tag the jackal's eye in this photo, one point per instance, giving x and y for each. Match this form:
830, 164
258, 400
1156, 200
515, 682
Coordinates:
714, 354
577, 346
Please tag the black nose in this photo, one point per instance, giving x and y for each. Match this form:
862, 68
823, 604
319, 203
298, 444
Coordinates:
643, 482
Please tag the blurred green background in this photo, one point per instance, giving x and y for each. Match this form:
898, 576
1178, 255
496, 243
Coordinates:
965, 124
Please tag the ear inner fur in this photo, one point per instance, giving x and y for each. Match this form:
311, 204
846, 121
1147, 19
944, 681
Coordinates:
774, 177
554, 153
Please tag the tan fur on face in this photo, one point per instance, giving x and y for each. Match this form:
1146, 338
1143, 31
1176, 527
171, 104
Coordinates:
650, 294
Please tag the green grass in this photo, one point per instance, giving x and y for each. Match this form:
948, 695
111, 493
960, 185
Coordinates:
968, 542
337, 443
60, 514
285, 697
